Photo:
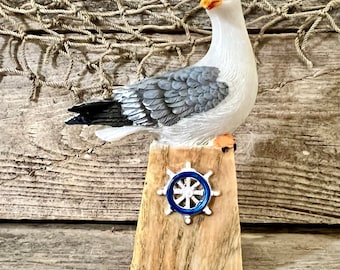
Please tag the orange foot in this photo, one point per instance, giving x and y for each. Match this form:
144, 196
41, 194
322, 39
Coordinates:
225, 141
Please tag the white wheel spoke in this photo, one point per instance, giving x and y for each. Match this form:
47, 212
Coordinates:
195, 200
199, 192
180, 183
187, 202
178, 191
187, 181
180, 199
195, 185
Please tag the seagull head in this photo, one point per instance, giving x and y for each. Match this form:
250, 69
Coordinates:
210, 4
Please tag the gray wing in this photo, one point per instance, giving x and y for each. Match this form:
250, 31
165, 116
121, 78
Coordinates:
165, 99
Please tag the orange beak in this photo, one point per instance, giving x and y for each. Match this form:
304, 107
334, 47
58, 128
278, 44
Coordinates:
210, 4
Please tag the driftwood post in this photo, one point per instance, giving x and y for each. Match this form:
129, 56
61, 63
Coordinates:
210, 241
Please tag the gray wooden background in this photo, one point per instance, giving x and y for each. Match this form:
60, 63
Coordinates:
70, 201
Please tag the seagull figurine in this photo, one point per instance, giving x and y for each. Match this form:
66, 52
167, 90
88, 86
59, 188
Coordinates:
195, 105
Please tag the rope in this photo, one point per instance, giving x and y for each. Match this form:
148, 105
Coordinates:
121, 32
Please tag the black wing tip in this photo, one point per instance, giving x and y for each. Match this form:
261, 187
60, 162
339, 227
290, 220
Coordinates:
71, 109
91, 105
76, 108
77, 120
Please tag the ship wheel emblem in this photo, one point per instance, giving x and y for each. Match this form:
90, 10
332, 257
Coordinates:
188, 192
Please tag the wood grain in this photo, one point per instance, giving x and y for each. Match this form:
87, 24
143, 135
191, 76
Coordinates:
165, 242
64, 247
287, 158
58, 246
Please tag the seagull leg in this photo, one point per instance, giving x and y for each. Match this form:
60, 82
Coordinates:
225, 141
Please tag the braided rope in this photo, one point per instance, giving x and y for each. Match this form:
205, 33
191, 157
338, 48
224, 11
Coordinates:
123, 30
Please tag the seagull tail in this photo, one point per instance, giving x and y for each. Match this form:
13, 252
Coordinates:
102, 112
111, 134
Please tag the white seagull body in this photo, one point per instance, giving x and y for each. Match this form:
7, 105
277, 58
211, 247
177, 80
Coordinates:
193, 105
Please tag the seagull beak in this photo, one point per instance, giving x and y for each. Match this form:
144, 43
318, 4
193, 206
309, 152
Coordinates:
210, 4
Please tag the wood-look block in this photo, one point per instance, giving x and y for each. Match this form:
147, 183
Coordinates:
209, 242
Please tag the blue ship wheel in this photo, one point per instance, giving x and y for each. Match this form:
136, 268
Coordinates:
188, 193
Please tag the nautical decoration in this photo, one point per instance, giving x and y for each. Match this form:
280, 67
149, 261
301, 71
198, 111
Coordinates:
188, 192
192, 105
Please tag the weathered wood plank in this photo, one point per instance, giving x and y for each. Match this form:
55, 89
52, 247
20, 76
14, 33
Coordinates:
287, 161
296, 122
51, 247
167, 242
64, 247
290, 251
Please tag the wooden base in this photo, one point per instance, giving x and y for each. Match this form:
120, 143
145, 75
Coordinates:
209, 242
